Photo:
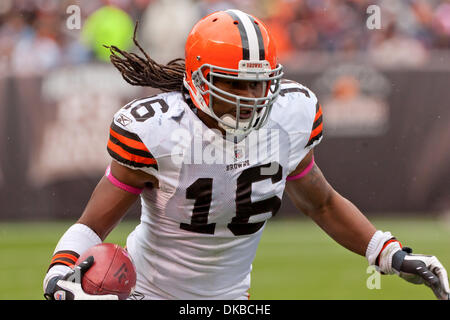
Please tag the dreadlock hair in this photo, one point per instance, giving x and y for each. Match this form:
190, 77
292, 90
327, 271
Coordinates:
138, 71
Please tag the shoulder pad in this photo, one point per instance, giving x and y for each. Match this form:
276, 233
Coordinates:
297, 109
298, 112
288, 87
139, 127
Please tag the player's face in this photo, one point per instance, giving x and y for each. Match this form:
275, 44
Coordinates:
249, 89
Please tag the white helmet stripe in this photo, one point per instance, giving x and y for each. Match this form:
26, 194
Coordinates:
262, 52
248, 34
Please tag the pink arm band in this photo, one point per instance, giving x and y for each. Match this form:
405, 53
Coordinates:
303, 173
121, 185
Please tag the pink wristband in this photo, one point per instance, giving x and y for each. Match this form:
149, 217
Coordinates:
121, 185
303, 173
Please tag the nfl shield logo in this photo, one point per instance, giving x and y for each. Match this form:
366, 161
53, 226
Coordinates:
238, 153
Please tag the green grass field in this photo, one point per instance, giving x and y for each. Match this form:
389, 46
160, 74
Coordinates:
295, 260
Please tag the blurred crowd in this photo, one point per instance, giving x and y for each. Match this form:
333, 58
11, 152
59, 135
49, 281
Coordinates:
35, 37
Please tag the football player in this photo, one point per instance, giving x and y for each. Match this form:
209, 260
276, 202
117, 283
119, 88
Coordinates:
203, 212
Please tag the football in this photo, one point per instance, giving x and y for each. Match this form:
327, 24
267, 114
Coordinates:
112, 272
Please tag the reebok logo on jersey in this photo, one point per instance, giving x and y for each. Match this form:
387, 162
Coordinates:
123, 120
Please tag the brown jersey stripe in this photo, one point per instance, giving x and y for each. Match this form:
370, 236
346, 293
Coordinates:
316, 131
317, 123
317, 128
129, 156
127, 141
311, 141
67, 257
63, 260
73, 253
125, 133
318, 112
64, 257
138, 152
127, 161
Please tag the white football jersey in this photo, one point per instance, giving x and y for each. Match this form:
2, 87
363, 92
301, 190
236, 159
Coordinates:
201, 226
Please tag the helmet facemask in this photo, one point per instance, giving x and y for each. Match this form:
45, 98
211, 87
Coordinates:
259, 107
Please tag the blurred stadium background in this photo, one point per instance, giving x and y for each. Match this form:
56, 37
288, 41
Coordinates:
385, 98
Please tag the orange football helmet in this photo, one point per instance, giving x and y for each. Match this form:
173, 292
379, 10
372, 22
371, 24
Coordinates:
232, 45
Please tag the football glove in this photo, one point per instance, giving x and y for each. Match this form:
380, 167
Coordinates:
68, 287
419, 269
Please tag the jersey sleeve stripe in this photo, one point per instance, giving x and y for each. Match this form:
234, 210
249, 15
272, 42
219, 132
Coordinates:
69, 257
64, 257
317, 128
312, 139
316, 131
318, 112
138, 152
121, 155
317, 123
70, 261
130, 156
125, 133
72, 255
129, 138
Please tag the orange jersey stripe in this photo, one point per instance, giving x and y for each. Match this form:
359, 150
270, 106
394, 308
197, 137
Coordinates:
316, 131
62, 255
127, 141
318, 113
128, 156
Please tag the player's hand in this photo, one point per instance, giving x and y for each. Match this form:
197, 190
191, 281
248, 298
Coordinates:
68, 287
418, 269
